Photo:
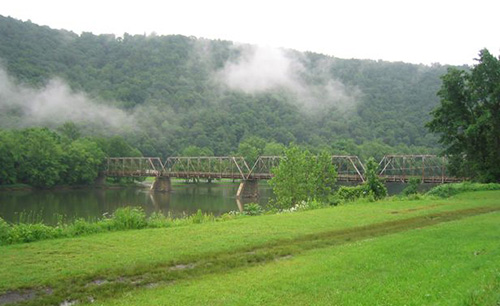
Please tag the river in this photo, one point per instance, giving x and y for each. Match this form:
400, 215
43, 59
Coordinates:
49, 206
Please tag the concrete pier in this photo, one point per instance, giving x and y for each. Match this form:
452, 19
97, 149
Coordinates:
248, 189
162, 184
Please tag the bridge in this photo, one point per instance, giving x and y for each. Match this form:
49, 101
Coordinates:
392, 168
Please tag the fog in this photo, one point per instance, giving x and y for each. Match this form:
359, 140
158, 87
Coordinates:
262, 69
56, 103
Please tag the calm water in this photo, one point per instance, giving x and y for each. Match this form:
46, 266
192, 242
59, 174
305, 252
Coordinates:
48, 206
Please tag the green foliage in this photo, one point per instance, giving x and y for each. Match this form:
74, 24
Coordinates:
351, 193
158, 220
252, 209
198, 217
412, 187
468, 119
129, 218
168, 81
9, 157
83, 158
25, 232
4, 232
196, 151
42, 158
374, 186
448, 190
83, 227
300, 176
273, 149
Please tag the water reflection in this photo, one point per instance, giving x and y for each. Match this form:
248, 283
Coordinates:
185, 199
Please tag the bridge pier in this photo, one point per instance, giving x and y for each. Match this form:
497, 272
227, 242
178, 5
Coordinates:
162, 184
248, 189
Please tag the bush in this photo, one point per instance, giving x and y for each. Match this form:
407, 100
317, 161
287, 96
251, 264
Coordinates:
158, 220
412, 187
252, 209
82, 227
129, 218
198, 218
24, 232
351, 193
4, 232
374, 186
448, 190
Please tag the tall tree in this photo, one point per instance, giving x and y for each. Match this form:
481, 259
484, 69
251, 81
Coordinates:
468, 118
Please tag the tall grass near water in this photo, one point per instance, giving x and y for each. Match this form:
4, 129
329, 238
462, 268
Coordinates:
126, 218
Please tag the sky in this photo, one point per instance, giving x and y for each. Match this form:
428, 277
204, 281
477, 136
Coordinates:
423, 31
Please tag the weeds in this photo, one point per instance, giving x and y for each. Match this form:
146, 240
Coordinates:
126, 218
252, 209
448, 190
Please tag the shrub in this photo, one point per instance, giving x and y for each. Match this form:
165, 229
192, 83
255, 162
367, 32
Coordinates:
351, 193
374, 185
412, 187
129, 218
4, 232
24, 232
82, 227
158, 220
448, 190
252, 209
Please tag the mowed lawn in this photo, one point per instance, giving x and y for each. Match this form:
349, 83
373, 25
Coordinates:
453, 263
313, 257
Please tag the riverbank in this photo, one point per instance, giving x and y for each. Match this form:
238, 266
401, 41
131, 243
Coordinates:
395, 250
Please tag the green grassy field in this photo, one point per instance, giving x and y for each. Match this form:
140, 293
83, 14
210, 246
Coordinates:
424, 252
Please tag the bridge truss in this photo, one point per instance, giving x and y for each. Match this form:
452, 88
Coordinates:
207, 167
427, 168
392, 168
134, 166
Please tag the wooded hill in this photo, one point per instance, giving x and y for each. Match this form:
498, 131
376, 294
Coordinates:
183, 93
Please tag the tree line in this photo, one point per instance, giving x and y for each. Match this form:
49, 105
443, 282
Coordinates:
44, 158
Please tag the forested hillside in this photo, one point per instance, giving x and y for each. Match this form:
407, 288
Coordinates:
169, 95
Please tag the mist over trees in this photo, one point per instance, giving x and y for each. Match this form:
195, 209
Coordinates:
177, 94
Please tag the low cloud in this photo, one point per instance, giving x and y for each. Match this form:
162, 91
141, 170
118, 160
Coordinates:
260, 69
55, 104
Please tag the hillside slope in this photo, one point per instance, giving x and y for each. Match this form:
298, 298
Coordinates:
178, 91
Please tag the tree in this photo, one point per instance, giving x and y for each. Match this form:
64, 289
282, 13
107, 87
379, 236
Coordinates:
83, 158
41, 155
468, 119
9, 156
374, 185
300, 176
194, 151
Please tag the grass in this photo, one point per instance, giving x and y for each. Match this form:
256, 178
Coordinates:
131, 259
453, 263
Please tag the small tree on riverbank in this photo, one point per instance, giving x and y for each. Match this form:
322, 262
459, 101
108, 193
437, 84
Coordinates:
301, 176
374, 185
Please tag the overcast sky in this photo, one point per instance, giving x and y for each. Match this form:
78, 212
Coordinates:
423, 31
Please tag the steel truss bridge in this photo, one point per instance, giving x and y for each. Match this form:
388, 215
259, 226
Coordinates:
392, 168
